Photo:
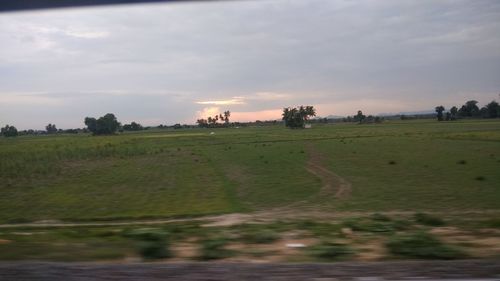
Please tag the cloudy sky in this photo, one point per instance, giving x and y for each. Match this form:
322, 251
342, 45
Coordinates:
170, 63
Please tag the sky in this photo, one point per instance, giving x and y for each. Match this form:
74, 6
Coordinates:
174, 63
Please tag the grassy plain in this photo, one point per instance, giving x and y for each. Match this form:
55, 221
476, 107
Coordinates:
396, 168
396, 165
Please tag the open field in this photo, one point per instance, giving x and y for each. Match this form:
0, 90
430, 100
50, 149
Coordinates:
320, 187
416, 166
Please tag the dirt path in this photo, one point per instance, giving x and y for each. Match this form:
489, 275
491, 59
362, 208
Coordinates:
331, 182
261, 216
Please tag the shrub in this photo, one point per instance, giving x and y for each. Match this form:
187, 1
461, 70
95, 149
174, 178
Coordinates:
491, 223
462, 162
369, 225
151, 243
380, 217
480, 178
331, 251
392, 162
423, 246
214, 249
401, 224
260, 236
427, 219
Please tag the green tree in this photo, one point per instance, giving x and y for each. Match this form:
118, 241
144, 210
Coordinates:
132, 127
454, 113
51, 128
492, 110
359, 117
227, 114
297, 117
203, 123
91, 124
439, 110
9, 131
105, 125
469, 109
448, 116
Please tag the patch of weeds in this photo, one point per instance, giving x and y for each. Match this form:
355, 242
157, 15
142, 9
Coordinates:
490, 223
184, 229
401, 224
423, 246
379, 217
302, 151
331, 251
392, 162
319, 229
429, 220
369, 225
480, 178
462, 162
261, 236
152, 243
214, 248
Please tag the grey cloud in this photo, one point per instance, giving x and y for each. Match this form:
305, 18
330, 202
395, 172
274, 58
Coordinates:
317, 52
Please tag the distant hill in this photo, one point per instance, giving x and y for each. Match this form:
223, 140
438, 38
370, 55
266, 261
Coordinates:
422, 112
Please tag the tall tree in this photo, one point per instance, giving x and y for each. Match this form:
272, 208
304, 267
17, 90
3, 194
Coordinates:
9, 131
492, 110
51, 128
359, 117
439, 110
132, 127
454, 112
297, 116
469, 109
105, 125
227, 114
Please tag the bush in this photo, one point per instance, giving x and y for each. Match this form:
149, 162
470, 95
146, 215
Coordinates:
423, 246
427, 219
480, 178
212, 249
400, 224
380, 217
151, 243
369, 225
491, 223
261, 236
331, 251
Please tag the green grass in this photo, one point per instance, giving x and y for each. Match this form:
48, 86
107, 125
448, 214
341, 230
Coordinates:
422, 245
214, 248
331, 251
190, 172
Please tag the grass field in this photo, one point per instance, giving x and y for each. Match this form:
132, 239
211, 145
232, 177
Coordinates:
398, 165
347, 191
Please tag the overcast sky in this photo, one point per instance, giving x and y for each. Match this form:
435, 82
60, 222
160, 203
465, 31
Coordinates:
173, 63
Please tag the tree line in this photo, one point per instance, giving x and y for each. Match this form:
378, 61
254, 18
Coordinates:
361, 118
469, 110
293, 117
213, 122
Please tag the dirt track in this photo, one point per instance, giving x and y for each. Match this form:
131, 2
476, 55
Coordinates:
331, 182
